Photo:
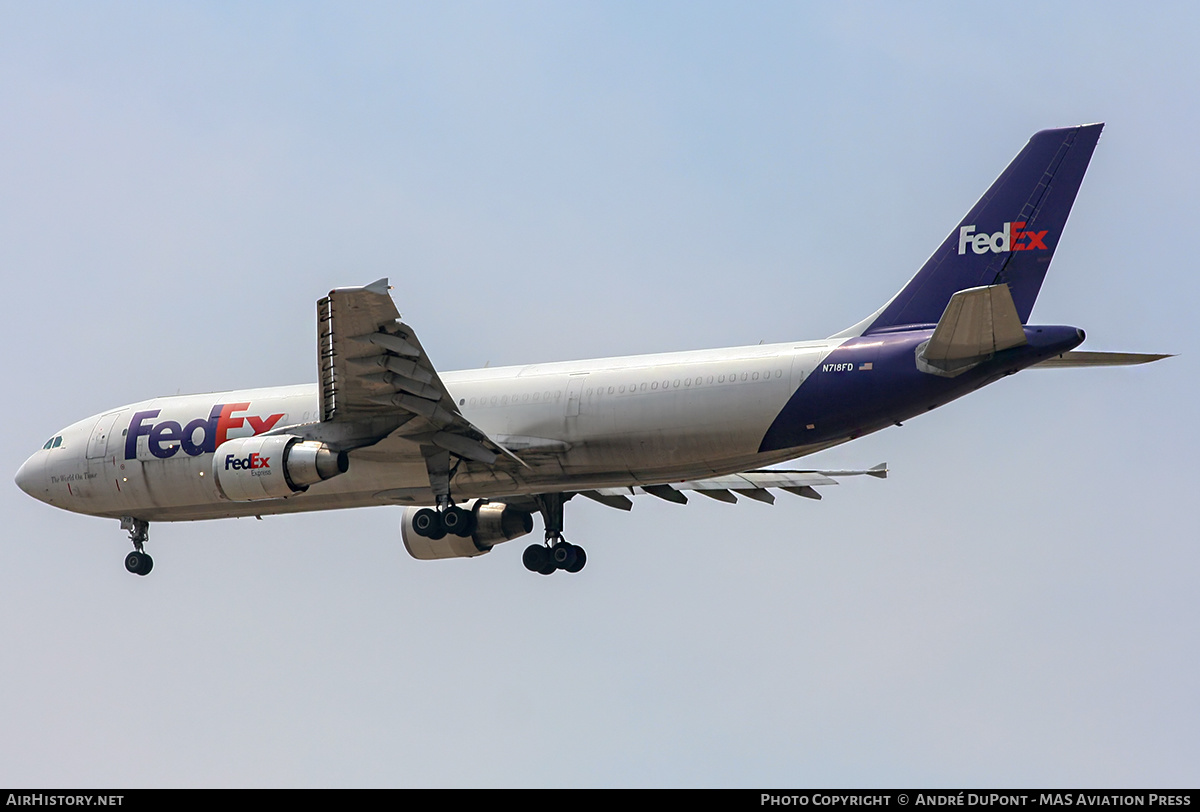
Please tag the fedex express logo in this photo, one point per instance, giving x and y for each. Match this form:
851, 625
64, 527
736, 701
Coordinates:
254, 462
166, 437
1009, 238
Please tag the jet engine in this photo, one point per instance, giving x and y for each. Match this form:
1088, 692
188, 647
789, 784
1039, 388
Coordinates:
273, 466
494, 522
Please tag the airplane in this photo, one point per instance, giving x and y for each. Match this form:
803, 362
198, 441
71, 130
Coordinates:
473, 455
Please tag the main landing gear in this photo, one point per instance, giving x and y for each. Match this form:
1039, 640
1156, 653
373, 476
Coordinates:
557, 553
446, 518
437, 523
139, 561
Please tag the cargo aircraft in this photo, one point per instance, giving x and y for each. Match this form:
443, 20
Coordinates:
473, 455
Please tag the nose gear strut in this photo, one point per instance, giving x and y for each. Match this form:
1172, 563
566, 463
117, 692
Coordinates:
139, 561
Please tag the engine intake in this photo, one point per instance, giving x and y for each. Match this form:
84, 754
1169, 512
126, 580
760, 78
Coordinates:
272, 467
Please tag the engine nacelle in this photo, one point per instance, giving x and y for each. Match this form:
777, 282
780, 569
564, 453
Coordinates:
273, 466
495, 522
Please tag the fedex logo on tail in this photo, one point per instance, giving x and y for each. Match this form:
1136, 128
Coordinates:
1010, 238
200, 436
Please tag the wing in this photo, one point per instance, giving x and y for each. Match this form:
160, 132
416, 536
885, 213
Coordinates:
750, 484
377, 380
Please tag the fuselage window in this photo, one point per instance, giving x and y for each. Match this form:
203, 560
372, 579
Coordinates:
676, 384
721, 379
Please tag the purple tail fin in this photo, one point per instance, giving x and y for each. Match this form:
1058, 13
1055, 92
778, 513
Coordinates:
1008, 236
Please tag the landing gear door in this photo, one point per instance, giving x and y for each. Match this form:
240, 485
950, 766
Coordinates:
98, 444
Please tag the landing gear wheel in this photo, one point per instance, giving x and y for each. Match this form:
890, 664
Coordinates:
557, 553
459, 521
428, 523
536, 557
139, 563
565, 555
580, 561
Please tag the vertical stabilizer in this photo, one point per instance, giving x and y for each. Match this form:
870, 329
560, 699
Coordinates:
1008, 237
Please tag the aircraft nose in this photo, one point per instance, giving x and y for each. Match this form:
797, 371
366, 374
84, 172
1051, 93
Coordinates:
30, 476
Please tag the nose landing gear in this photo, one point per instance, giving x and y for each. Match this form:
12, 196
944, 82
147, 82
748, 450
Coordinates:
139, 561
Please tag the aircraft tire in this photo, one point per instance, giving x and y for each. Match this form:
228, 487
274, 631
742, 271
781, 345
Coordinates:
535, 557
139, 563
565, 555
458, 521
428, 523
580, 561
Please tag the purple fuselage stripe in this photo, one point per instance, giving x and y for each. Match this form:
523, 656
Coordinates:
872, 382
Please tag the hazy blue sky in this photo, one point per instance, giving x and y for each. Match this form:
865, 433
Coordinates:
1016, 605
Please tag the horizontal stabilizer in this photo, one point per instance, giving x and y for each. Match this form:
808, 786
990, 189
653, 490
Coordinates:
1099, 359
977, 323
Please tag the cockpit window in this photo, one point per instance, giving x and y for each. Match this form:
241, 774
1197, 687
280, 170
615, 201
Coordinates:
53, 442
57, 441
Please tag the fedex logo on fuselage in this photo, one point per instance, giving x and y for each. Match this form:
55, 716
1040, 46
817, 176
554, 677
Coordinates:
165, 438
1009, 238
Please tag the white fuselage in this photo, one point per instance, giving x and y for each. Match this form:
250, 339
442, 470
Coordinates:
585, 424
